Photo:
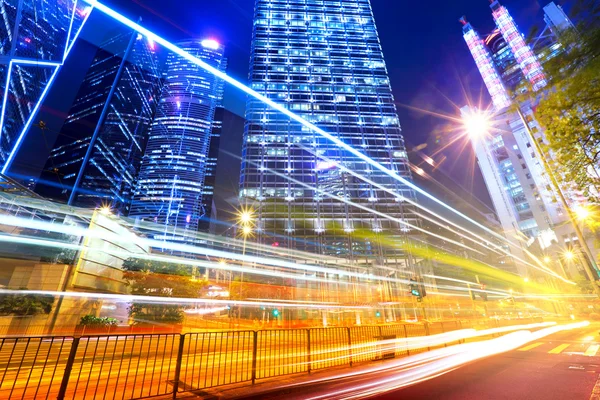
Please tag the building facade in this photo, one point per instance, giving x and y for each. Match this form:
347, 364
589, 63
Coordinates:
97, 155
521, 190
34, 38
323, 61
171, 189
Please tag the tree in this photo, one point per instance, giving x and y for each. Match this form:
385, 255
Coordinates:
161, 279
570, 110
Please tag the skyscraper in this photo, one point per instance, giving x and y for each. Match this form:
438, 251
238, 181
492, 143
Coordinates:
323, 61
97, 155
34, 38
527, 60
172, 177
519, 186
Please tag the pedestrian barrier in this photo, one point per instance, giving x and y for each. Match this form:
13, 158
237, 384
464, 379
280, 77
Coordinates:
146, 365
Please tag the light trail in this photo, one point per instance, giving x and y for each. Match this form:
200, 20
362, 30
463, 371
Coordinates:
178, 51
381, 214
128, 298
418, 368
228, 267
404, 198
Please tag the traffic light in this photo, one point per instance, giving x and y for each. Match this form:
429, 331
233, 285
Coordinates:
414, 288
275, 312
378, 314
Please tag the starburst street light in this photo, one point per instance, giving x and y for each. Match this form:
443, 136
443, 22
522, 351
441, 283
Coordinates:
246, 230
476, 123
569, 255
582, 213
245, 217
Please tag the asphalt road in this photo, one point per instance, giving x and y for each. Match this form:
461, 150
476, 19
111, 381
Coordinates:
565, 365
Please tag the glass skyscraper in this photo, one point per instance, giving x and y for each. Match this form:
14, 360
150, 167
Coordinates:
322, 60
97, 155
34, 36
172, 177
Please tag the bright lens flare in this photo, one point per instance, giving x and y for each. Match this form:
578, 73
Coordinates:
569, 255
476, 124
582, 213
246, 230
245, 217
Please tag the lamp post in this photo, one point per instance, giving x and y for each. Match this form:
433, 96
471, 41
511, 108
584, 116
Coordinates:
246, 221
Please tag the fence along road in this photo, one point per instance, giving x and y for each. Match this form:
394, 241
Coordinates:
145, 365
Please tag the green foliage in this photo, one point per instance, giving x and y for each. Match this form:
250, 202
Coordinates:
161, 279
570, 111
25, 304
97, 322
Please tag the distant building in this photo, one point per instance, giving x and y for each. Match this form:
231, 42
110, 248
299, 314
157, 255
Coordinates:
556, 19
172, 189
521, 191
34, 37
97, 155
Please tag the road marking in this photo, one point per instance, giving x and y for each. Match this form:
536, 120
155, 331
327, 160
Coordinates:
558, 349
531, 346
592, 350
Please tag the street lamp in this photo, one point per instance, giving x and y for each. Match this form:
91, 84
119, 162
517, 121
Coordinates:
476, 123
582, 213
569, 255
245, 217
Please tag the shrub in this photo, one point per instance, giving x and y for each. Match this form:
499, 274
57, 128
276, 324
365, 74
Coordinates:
97, 322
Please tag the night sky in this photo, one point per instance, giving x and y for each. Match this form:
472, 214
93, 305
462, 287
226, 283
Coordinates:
428, 62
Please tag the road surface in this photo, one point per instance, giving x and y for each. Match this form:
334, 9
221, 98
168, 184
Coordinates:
564, 365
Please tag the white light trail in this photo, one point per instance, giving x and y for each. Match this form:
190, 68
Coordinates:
128, 298
415, 369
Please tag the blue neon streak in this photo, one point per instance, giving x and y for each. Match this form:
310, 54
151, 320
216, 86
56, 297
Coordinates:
170, 46
70, 28
19, 141
35, 62
4, 100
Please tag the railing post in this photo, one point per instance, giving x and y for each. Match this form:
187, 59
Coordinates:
178, 365
349, 345
70, 361
308, 360
406, 336
254, 352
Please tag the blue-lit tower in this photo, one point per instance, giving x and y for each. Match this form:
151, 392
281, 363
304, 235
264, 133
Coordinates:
323, 61
99, 149
172, 177
35, 36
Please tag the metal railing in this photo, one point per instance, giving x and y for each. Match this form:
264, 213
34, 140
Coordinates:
147, 365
